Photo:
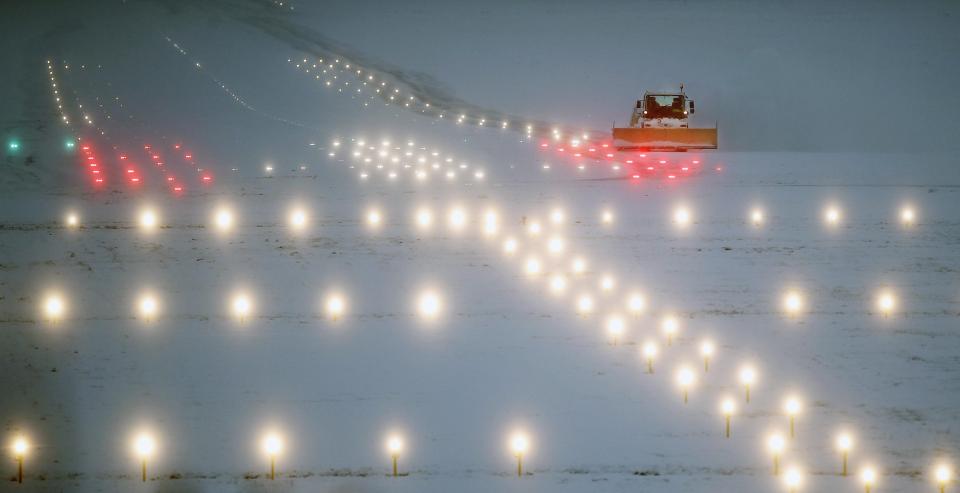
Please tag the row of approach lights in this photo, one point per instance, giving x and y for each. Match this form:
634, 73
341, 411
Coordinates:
144, 446
683, 216
428, 304
298, 218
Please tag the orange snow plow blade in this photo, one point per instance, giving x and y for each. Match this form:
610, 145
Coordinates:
664, 139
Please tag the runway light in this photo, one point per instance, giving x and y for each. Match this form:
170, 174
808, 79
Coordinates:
335, 306
606, 217
428, 305
298, 219
747, 377
555, 245
374, 219
908, 216
223, 219
394, 447
148, 219
868, 476
534, 228
649, 353
670, 326
557, 216
510, 246
72, 220
844, 443
636, 303
793, 479
584, 305
943, 474
532, 266
558, 284
144, 447
607, 283
148, 306
775, 445
832, 216
424, 218
886, 303
706, 350
792, 407
54, 307
519, 445
457, 219
272, 447
793, 303
20, 447
685, 379
756, 217
491, 223
682, 216
241, 306
616, 328
578, 266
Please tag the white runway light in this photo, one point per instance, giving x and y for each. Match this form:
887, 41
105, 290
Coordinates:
555, 245
424, 218
148, 307
844, 443
223, 219
335, 306
519, 445
148, 219
558, 284
584, 305
886, 303
532, 267
606, 217
908, 216
670, 327
793, 303
685, 380
615, 327
649, 353
429, 305
682, 216
756, 217
241, 306
144, 447
374, 219
54, 307
510, 246
457, 219
298, 219
832, 216
272, 446
636, 303
72, 220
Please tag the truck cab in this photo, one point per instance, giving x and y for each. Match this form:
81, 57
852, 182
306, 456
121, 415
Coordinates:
663, 110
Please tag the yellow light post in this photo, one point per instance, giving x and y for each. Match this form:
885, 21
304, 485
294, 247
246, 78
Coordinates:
728, 407
776, 444
844, 444
650, 352
706, 350
748, 376
685, 379
20, 448
519, 443
394, 447
792, 408
670, 327
868, 475
272, 446
943, 475
144, 446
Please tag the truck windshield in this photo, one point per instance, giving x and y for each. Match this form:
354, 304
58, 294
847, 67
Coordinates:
669, 106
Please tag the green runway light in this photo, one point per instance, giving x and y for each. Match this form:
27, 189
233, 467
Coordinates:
70, 144
13, 145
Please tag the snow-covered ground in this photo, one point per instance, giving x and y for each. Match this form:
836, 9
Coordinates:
506, 353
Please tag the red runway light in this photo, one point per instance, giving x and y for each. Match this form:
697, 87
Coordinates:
543, 145
189, 156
